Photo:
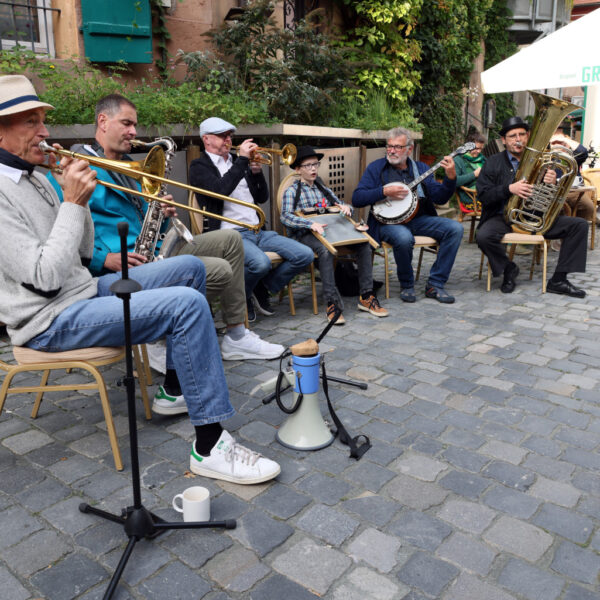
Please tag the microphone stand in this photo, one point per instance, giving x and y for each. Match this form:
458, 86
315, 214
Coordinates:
137, 520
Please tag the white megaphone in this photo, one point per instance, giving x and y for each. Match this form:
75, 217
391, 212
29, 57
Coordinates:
305, 428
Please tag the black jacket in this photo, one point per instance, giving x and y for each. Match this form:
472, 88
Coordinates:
492, 185
204, 174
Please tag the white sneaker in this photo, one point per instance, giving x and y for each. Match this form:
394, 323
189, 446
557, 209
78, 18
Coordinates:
157, 355
168, 405
249, 346
230, 461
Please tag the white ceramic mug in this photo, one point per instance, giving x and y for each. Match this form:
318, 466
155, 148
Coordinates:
195, 504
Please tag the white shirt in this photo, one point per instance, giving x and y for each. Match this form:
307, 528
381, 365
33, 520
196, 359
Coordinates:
241, 192
11, 172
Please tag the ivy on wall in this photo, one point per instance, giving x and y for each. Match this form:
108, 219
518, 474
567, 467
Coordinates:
385, 54
499, 46
449, 33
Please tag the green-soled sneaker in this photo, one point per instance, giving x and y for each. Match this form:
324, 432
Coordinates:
168, 405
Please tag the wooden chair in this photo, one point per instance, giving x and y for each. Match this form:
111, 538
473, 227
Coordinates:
197, 223
423, 242
515, 239
474, 212
286, 182
86, 359
592, 179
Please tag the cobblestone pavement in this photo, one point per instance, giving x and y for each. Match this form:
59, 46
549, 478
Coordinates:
483, 482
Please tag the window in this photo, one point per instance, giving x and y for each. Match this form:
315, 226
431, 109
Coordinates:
27, 23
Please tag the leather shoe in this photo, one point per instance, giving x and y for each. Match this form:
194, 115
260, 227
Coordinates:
565, 287
509, 284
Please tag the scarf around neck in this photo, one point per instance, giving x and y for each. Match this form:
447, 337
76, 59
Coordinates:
16, 162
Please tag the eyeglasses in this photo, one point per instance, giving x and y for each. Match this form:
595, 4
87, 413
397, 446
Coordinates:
223, 136
396, 148
314, 165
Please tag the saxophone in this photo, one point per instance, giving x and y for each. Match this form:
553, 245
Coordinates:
150, 235
537, 213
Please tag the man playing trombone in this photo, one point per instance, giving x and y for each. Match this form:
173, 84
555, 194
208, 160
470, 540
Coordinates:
238, 176
50, 302
221, 252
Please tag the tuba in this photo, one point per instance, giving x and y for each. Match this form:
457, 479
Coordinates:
537, 213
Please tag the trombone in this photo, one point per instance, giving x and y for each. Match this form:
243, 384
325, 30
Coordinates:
150, 173
261, 155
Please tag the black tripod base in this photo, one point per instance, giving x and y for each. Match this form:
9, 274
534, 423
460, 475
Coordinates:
140, 523
358, 384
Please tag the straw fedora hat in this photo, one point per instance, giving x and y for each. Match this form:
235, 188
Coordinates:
17, 94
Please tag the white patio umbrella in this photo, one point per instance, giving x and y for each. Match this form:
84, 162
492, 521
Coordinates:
569, 57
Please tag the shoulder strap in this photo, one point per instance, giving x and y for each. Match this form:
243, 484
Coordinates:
297, 196
324, 190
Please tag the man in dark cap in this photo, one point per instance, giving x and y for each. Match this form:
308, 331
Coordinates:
308, 193
495, 185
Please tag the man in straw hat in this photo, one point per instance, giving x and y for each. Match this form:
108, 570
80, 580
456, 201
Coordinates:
50, 301
495, 185
307, 193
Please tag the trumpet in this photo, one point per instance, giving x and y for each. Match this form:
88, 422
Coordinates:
261, 155
150, 173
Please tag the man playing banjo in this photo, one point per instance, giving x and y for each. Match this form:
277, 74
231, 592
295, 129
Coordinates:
387, 178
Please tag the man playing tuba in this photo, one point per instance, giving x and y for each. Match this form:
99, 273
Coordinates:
495, 185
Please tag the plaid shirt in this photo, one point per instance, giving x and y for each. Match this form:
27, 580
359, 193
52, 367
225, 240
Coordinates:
310, 196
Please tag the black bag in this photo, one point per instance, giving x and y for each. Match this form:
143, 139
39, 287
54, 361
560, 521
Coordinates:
346, 278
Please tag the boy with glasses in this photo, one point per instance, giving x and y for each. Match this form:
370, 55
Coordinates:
399, 167
306, 194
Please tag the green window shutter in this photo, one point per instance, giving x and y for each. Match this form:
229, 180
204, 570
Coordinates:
116, 30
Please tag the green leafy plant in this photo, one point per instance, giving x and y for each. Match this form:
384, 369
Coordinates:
384, 53
296, 73
73, 89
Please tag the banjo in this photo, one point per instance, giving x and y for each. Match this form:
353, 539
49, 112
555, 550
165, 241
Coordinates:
392, 211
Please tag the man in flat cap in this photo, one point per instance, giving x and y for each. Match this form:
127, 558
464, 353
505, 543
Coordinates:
217, 170
50, 302
495, 185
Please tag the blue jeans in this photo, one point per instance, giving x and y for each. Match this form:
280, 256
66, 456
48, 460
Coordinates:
172, 305
257, 265
446, 231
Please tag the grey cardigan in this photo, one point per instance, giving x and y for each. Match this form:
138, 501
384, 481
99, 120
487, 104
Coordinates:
45, 245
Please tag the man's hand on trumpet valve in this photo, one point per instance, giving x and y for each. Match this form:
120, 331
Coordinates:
247, 148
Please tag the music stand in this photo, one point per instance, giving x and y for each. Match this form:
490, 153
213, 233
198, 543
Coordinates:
137, 520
